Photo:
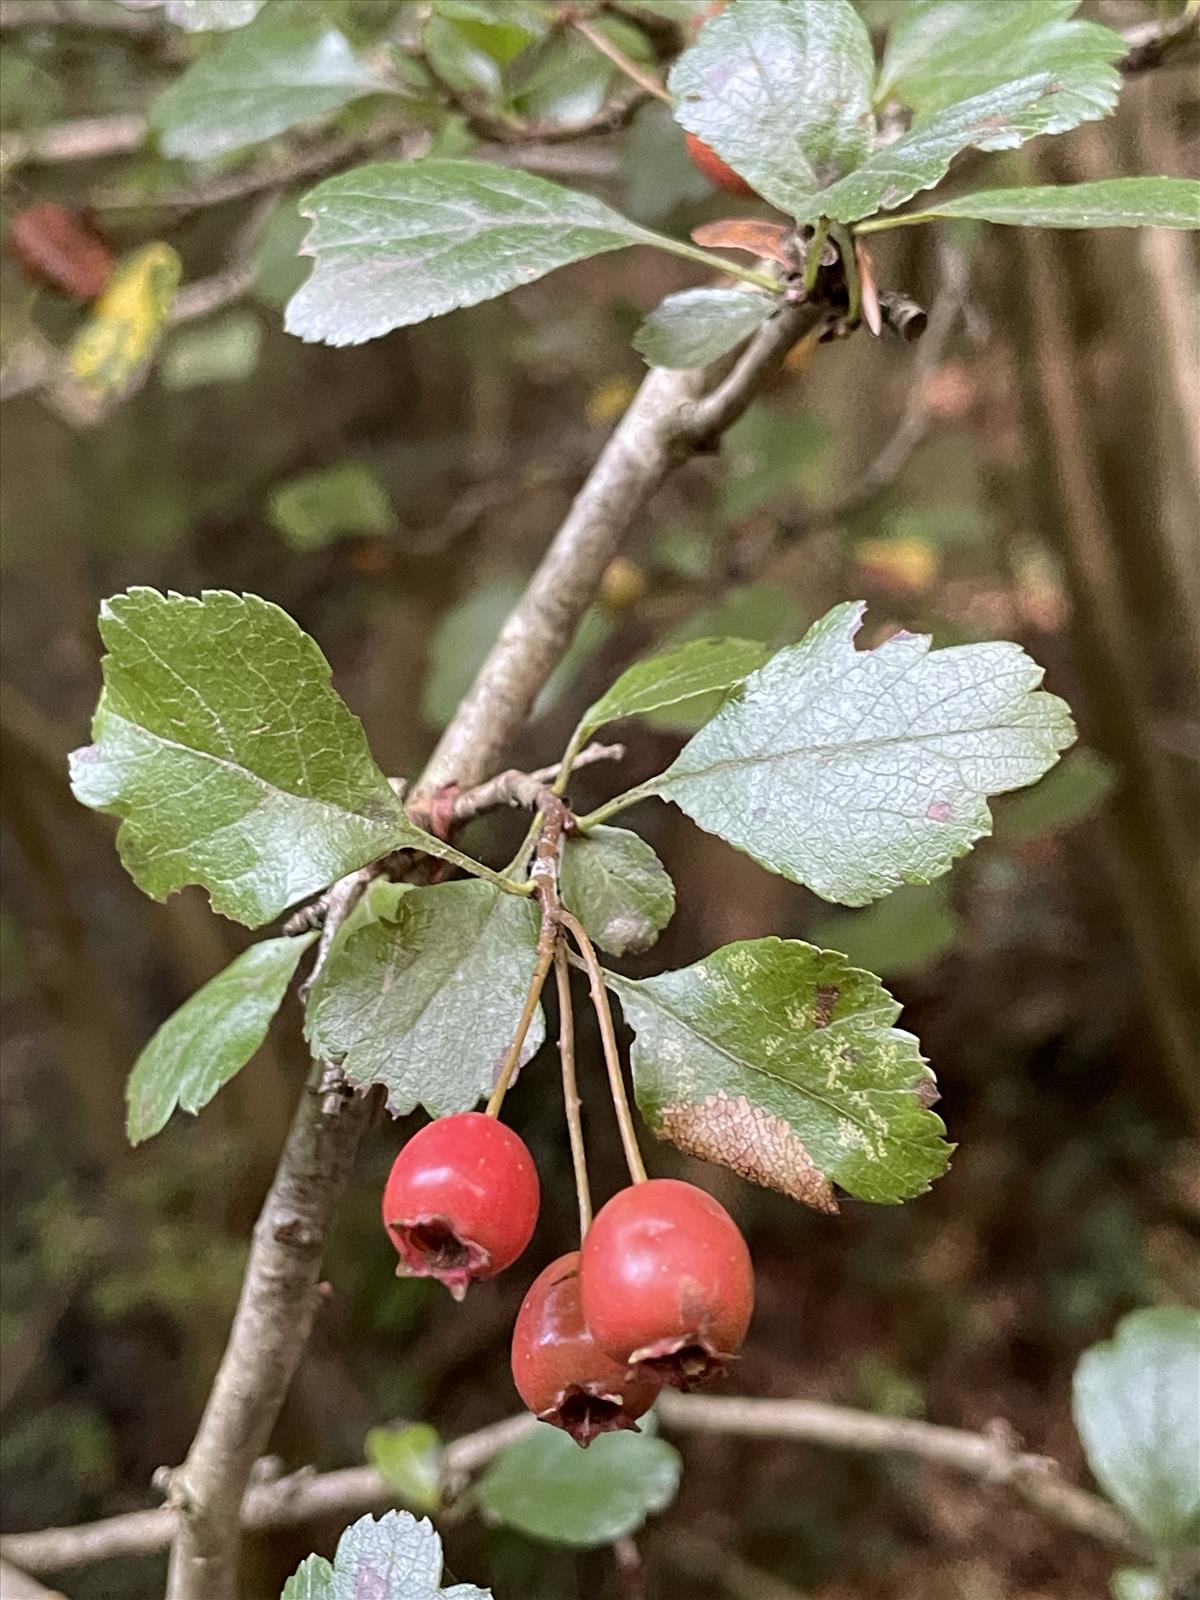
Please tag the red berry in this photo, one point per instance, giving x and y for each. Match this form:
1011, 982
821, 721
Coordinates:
561, 1373
461, 1201
714, 169
666, 1281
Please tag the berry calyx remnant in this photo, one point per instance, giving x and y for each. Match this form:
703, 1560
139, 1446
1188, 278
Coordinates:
561, 1373
714, 169
461, 1201
666, 1282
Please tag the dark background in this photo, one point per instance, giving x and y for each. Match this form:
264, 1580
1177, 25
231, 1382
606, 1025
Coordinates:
1051, 500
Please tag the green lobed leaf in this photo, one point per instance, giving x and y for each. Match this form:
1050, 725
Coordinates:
782, 92
1136, 1405
759, 613
289, 66
464, 634
211, 1037
673, 678
545, 1486
618, 888
997, 119
1107, 203
780, 1061
1071, 792
312, 1580
694, 327
855, 771
425, 1000
394, 1558
902, 933
222, 745
398, 242
410, 1462
343, 500
936, 57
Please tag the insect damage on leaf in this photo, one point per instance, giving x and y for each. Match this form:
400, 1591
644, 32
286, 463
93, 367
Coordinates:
751, 1143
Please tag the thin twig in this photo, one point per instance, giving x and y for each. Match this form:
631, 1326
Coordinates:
544, 876
306, 1496
85, 139
571, 1102
18, 1585
708, 1558
630, 1568
1152, 44
545, 959
992, 1456
704, 421
608, 1036
645, 80
895, 454
522, 789
650, 441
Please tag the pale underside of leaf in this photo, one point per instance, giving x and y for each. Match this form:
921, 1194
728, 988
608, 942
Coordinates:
395, 1557
398, 242
855, 771
1135, 1404
781, 1061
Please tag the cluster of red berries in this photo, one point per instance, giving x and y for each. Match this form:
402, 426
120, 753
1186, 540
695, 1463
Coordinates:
661, 1291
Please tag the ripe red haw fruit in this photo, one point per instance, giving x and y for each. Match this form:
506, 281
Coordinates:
560, 1372
461, 1201
666, 1282
714, 169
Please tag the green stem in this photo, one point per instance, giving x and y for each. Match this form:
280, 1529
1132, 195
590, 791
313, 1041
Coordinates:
571, 1103
546, 944
906, 220
845, 244
693, 252
521, 860
608, 1037
813, 251
568, 761
622, 802
446, 852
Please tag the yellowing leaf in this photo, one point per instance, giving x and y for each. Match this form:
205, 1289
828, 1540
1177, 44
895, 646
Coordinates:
127, 320
909, 564
607, 402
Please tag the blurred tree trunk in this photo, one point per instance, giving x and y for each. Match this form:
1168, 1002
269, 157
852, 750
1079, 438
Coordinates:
1101, 325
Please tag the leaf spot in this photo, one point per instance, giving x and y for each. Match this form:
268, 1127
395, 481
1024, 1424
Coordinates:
752, 1143
938, 811
826, 1000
